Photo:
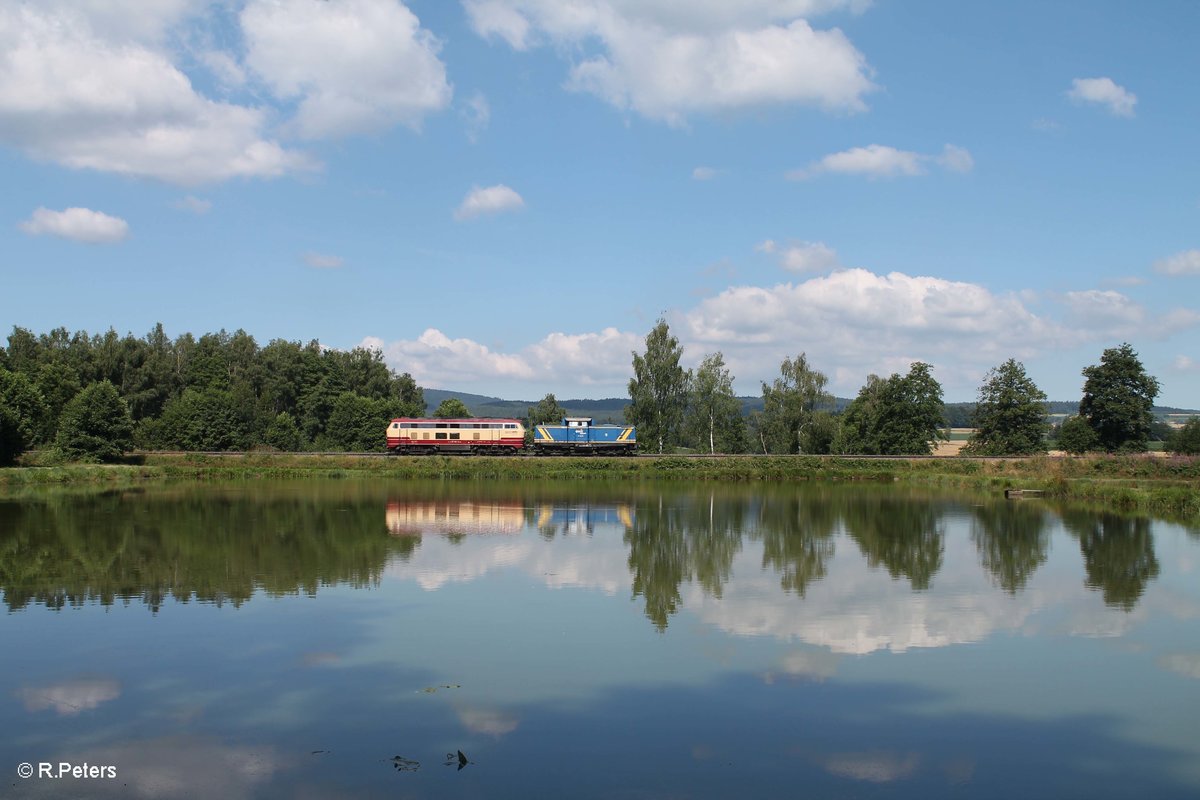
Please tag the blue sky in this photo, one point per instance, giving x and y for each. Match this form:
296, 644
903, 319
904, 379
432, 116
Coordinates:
504, 195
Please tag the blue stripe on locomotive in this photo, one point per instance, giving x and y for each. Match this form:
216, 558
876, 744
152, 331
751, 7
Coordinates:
585, 434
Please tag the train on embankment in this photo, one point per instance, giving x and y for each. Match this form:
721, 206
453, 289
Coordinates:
498, 436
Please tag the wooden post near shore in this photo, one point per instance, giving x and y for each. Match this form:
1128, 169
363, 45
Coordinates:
1011, 493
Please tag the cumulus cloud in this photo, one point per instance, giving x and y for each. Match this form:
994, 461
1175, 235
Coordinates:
353, 66
71, 94
1184, 263
103, 86
488, 200
1093, 311
581, 360
704, 173
322, 261
1186, 364
865, 323
1103, 91
851, 322
881, 161
666, 60
77, 224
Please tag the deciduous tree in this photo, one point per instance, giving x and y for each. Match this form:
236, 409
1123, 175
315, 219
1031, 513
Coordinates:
452, 408
1118, 397
714, 412
789, 406
1186, 440
95, 424
1010, 415
658, 389
898, 416
1076, 436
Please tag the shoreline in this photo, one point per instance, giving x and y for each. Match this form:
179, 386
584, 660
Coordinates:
1149, 484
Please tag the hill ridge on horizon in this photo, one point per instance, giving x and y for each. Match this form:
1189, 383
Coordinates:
612, 408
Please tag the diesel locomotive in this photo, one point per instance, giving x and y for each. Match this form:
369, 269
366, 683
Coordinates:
576, 435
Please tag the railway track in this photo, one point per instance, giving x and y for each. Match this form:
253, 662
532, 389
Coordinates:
689, 456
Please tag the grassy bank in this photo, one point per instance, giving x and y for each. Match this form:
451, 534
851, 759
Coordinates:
1154, 485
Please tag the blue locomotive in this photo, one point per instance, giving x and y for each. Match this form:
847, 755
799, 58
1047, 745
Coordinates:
577, 435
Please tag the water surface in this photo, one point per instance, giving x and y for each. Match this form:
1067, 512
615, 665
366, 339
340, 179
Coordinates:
351, 638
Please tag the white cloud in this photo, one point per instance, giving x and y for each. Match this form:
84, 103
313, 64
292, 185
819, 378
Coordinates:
566, 360
665, 59
1094, 313
851, 323
1119, 100
809, 257
488, 200
352, 66
766, 246
88, 87
77, 224
704, 173
881, 161
865, 323
322, 261
595, 357
1184, 263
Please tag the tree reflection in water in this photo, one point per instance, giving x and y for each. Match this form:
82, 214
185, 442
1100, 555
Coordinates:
222, 544
906, 537
1013, 541
1118, 554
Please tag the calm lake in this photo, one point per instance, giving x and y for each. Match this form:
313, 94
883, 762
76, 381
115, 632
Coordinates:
360, 638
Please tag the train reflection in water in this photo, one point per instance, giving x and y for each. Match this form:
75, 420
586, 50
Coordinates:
584, 520
459, 518
413, 518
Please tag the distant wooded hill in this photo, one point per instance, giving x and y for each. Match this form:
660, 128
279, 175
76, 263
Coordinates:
612, 409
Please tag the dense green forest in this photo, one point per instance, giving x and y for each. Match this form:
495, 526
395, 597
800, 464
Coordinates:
222, 391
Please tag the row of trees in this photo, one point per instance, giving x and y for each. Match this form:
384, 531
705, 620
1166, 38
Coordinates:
98, 396
897, 415
93, 394
674, 407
